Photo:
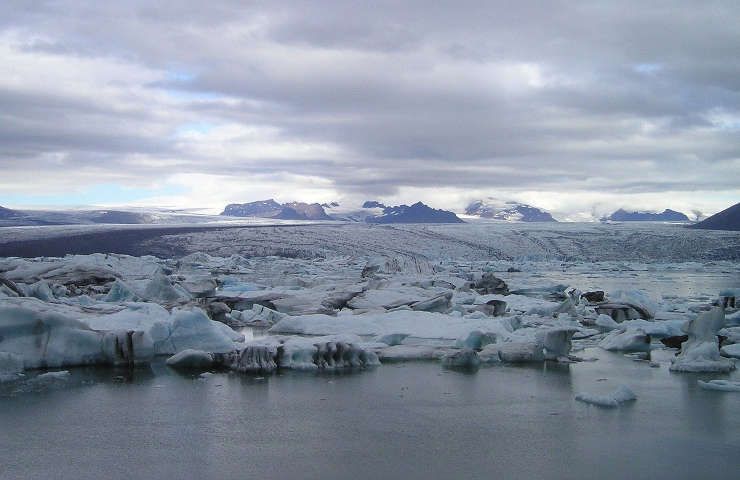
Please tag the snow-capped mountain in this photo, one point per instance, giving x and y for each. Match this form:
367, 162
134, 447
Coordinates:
416, 213
727, 219
272, 209
507, 211
666, 215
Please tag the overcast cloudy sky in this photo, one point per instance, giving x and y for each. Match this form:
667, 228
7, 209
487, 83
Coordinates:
578, 107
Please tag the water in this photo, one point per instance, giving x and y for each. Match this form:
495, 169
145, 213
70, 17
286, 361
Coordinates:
410, 420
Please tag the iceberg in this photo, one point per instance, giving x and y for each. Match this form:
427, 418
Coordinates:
556, 342
332, 352
120, 291
191, 359
251, 359
162, 290
606, 322
192, 329
465, 358
512, 352
476, 340
627, 340
619, 396
700, 353
46, 338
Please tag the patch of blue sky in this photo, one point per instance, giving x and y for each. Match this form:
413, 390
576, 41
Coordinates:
195, 127
99, 194
179, 76
647, 68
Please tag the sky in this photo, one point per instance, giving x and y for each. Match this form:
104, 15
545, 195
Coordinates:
576, 107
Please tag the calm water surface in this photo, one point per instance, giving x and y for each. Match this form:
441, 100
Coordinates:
411, 420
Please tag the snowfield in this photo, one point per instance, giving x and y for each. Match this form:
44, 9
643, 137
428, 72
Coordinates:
354, 296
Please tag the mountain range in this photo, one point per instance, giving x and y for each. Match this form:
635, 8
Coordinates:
507, 211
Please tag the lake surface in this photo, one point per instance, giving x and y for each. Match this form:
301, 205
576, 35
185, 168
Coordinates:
409, 420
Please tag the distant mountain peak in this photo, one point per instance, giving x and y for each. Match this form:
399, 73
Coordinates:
416, 213
272, 209
727, 219
507, 211
666, 215
372, 204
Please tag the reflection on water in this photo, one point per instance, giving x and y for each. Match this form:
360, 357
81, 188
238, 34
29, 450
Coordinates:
409, 420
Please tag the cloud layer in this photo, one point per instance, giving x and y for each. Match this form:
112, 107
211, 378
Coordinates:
575, 106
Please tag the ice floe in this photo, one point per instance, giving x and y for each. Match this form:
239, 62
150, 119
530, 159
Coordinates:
612, 400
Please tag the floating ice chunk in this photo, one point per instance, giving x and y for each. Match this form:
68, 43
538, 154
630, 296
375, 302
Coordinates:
300, 353
656, 329
40, 290
638, 300
233, 335
325, 353
397, 296
416, 324
476, 340
732, 334
731, 350
721, 385
606, 322
733, 319
440, 303
630, 340
199, 285
465, 358
193, 329
252, 359
47, 338
401, 353
700, 353
493, 308
556, 342
120, 291
161, 289
619, 396
513, 352
257, 316
191, 359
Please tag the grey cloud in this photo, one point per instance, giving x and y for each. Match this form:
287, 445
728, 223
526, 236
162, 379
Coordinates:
422, 94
